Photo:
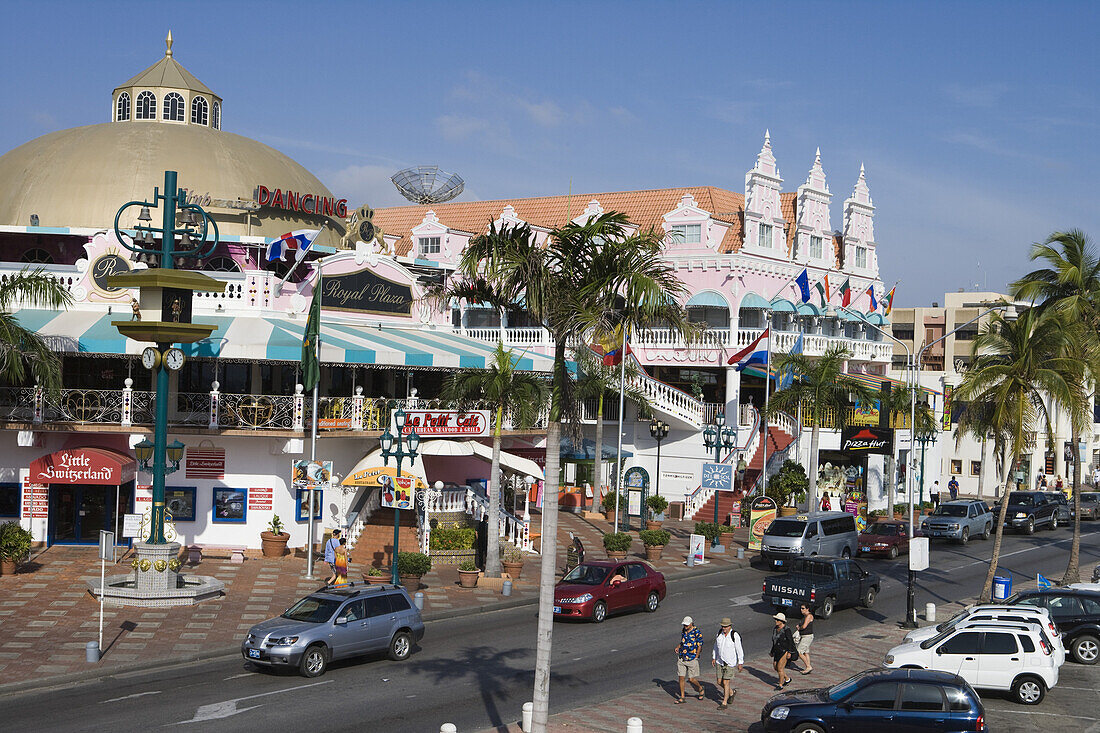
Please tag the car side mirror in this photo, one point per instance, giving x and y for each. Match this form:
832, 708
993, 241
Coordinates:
342, 621
939, 650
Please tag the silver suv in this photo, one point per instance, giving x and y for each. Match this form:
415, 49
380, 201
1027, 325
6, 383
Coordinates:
959, 520
336, 623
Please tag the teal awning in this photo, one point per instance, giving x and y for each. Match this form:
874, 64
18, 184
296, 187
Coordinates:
808, 309
752, 300
779, 305
709, 299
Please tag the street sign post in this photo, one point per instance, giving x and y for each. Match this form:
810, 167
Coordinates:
106, 550
918, 560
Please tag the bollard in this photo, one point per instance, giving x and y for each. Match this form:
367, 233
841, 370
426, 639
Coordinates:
418, 600
528, 716
691, 559
930, 612
740, 553
634, 725
506, 588
91, 652
448, 728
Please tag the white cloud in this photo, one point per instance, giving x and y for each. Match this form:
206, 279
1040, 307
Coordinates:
364, 184
976, 95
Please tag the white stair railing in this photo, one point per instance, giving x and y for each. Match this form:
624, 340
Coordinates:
698, 498
365, 506
510, 527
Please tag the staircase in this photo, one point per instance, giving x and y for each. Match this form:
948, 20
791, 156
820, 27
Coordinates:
778, 440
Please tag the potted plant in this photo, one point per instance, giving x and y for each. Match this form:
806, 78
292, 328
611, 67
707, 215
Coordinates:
609, 504
657, 505
617, 545
273, 541
710, 530
411, 567
789, 483
15, 547
468, 574
512, 562
654, 541
375, 576
901, 511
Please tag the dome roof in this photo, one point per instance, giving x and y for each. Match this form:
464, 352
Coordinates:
81, 176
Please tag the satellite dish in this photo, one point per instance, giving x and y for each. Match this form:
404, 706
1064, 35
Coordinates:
426, 184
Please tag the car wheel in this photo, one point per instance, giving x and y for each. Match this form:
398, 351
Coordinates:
987, 531
400, 646
807, 728
1086, 649
893, 553
1030, 528
965, 536
1028, 690
825, 610
599, 612
1053, 523
868, 599
847, 554
652, 602
314, 661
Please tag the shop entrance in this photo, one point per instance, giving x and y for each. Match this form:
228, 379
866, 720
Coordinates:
85, 486
78, 513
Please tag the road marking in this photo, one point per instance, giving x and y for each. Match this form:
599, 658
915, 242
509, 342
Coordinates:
236, 676
130, 697
746, 600
228, 708
1053, 715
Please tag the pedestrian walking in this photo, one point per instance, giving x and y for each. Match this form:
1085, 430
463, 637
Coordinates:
341, 564
687, 658
953, 488
741, 468
783, 649
331, 547
826, 503
727, 656
805, 639
935, 494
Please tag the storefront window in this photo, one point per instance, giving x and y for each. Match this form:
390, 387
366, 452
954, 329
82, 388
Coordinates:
82, 372
302, 499
196, 376
279, 379
9, 500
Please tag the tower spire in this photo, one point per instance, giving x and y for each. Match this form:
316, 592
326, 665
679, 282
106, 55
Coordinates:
168, 45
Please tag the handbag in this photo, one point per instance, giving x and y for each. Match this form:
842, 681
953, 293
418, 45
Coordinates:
796, 635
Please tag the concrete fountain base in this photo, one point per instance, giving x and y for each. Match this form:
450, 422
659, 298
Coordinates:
156, 582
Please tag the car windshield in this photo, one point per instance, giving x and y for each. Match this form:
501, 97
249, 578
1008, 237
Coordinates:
950, 510
1021, 499
883, 530
312, 609
1090, 498
785, 528
845, 688
929, 643
586, 575
950, 623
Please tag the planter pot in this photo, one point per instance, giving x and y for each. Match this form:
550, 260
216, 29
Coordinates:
900, 516
616, 554
788, 511
514, 569
376, 579
653, 524
411, 583
8, 567
653, 552
468, 578
274, 545
609, 516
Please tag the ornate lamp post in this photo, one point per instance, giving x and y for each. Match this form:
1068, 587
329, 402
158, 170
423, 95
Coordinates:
388, 451
717, 436
659, 431
924, 438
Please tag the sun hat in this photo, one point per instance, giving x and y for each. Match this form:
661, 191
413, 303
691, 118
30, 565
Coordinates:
686, 621
780, 617
726, 621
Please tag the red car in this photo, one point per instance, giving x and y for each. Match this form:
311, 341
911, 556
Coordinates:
888, 538
594, 589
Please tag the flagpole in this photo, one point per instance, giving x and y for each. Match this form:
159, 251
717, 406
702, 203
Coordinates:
619, 450
279, 285
313, 443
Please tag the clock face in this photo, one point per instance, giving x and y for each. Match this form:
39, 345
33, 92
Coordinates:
173, 359
150, 358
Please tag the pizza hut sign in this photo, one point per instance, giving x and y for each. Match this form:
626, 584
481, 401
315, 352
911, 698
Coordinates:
447, 423
864, 439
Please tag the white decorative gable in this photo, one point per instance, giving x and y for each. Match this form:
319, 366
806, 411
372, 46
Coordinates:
508, 217
814, 231
690, 227
592, 210
423, 236
859, 230
763, 215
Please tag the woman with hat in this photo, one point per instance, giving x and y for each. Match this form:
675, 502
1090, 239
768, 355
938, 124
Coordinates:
783, 648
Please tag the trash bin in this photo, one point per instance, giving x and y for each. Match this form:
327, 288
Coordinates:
1002, 587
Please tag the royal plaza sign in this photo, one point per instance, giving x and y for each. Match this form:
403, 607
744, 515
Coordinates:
306, 203
447, 423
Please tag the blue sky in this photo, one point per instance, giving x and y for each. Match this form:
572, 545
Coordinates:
977, 122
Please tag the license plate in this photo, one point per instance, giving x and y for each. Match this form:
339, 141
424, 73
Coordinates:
786, 602
253, 653
865, 549
778, 562
935, 534
557, 609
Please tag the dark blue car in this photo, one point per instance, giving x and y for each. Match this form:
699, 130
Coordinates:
895, 700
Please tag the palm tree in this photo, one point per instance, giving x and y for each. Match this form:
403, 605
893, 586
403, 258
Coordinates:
1016, 364
821, 388
596, 381
508, 391
21, 350
584, 281
1070, 285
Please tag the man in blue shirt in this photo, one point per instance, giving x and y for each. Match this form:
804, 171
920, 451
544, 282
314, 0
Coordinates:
953, 487
331, 547
687, 657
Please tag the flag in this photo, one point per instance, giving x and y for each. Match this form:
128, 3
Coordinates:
889, 300
1043, 583
754, 353
786, 375
298, 241
311, 365
874, 303
803, 283
613, 347
846, 293
823, 290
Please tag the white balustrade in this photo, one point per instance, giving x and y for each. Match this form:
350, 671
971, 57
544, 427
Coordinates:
513, 529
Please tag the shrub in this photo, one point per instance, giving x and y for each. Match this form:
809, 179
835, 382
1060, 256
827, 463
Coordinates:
374, 572
413, 563
514, 554
657, 504
653, 537
468, 566
709, 530
15, 542
617, 541
275, 526
608, 503
901, 508
789, 483
453, 538
878, 513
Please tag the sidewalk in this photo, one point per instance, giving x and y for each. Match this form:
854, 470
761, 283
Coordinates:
48, 616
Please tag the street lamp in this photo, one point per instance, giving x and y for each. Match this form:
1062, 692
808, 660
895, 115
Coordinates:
717, 436
659, 431
924, 438
412, 440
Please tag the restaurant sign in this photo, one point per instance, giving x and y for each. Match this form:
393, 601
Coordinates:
866, 439
364, 292
307, 203
104, 267
446, 423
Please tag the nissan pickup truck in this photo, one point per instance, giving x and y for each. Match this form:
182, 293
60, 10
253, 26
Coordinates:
822, 583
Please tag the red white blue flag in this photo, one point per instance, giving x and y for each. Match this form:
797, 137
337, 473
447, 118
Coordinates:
298, 242
754, 353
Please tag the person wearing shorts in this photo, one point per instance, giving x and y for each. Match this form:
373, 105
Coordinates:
806, 631
331, 547
727, 656
687, 658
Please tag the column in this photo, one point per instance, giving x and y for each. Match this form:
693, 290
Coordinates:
128, 403
733, 392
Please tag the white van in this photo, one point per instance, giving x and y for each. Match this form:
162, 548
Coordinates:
830, 534
1007, 657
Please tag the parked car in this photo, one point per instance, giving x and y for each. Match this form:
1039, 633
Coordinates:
1065, 508
888, 700
832, 534
889, 538
1030, 509
1090, 505
336, 623
1075, 611
824, 584
592, 589
994, 657
989, 614
1096, 573
959, 520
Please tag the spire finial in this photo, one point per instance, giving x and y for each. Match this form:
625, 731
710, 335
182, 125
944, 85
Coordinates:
168, 44
817, 157
767, 137
862, 174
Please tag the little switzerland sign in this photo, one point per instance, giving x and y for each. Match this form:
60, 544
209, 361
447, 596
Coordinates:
82, 466
447, 423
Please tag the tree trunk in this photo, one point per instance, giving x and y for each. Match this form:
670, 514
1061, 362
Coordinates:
492, 552
814, 502
544, 636
981, 471
1073, 569
597, 460
987, 589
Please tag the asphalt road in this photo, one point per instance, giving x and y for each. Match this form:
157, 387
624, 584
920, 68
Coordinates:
475, 671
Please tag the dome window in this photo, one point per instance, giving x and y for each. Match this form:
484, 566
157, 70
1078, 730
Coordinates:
221, 264
217, 119
146, 106
122, 109
37, 256
199, 111
173, 107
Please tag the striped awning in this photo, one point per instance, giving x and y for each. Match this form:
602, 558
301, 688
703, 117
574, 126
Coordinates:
280, 339
871, 380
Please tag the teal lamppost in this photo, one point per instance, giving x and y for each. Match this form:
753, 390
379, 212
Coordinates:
717, 436
412, 440
164, 316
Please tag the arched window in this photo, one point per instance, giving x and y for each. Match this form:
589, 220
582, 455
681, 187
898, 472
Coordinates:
221, 264
217, 119
199, 111
37, 256
146, 106
122, 110
173, 107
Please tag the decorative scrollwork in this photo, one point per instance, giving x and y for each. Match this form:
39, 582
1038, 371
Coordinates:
134, 563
